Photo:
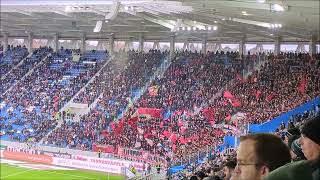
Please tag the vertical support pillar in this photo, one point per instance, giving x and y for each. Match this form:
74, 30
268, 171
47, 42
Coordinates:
30, 42
277, 45
83, 43
242, 46
204, 46
312, 45
5, 42
172, 42
56, 42
141, 41
111, 43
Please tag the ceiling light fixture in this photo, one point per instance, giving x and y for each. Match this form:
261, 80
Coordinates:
276, 8
189, 28
215, 28
275, 26
261, 1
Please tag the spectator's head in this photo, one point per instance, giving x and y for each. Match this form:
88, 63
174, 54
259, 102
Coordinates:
259, 154
201, 175
193, 178
228, 169
310, 138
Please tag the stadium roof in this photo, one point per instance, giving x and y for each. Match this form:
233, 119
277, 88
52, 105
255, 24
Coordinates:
217, 20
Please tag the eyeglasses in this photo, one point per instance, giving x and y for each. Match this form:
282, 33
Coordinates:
239, 164
246, 164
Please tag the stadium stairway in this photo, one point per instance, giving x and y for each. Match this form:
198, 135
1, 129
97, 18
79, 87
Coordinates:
257, 66
158, 73
261, 61
67, 105
30, 71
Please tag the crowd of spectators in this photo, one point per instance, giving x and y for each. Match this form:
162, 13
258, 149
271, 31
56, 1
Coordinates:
217, 165
116, 86
184, 94
12, 57
30, 108
18, 72
279, 86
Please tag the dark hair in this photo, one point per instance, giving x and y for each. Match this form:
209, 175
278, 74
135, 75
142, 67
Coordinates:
193, 178
231, 164
270, 150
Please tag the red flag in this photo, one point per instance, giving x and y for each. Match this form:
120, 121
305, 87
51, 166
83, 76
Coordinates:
133, 122
161, 124
182, 129
150, 142
209, 113
235, 103
166, 133
270, 97
105, 135
154, 112
228, 117
180, 123
182, 140
173, 138
120, 127
303, 84
257, 94
227, 94
240, 78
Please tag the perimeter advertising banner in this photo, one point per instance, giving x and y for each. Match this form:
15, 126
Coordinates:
87, 165
76, 161
21, 156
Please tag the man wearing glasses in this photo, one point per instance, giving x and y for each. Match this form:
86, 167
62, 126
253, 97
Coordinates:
259, 154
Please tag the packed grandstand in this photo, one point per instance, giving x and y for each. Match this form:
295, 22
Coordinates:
182, 116
168, 111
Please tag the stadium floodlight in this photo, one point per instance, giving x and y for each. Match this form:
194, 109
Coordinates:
194, 28
215, 28
261, 1
189, 28
209, 28
277, 7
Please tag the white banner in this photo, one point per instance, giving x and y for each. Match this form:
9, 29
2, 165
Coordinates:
87, 165
109, 162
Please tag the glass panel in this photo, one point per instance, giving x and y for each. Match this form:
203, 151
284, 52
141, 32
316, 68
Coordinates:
147, 46
135, 45
164, 46
230, 47
268, 47
119, 46
288, 47
178, 46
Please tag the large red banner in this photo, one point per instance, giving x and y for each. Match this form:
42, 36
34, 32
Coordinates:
103, 148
